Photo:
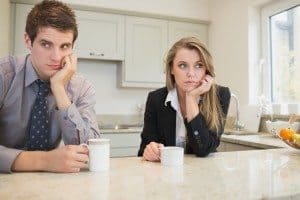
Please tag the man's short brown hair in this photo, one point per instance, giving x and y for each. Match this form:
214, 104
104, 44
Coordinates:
51, 13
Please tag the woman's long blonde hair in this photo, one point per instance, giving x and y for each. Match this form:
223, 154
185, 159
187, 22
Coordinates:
210, 107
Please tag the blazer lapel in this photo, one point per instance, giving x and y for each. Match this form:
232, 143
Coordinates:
169, 124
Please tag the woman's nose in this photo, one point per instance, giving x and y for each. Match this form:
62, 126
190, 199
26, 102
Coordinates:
190, 72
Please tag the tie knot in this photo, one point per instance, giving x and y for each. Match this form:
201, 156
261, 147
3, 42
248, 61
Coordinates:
44, 88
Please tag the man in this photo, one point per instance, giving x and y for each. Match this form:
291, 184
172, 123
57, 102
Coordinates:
44, 100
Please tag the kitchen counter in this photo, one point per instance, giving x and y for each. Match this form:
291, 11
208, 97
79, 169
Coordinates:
261, 140
257, 174
258, 140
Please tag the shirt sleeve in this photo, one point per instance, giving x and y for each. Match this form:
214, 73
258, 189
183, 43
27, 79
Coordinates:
7, 157
149, 132
78, 122
201, 140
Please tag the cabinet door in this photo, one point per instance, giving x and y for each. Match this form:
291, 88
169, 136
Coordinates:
178, 30
123, 144
21, 12
101, 36
146, 43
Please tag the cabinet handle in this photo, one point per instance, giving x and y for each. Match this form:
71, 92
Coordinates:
96, 54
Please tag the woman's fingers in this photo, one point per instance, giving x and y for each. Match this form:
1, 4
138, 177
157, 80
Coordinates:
152, 152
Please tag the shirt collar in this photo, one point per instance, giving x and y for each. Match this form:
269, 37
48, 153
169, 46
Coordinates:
172, 97
30, 73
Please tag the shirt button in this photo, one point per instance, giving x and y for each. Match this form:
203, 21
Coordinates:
196, 133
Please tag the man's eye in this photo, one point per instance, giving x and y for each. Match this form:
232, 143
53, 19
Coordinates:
65, 46
46, 45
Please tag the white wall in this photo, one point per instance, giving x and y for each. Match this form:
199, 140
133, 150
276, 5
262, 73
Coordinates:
195, 9
235, 45
229, 44
4, 27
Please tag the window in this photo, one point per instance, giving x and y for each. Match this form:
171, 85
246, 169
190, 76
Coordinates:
281, 51
284, 58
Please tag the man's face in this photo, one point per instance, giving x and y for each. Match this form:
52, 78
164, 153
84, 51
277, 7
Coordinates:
48, 49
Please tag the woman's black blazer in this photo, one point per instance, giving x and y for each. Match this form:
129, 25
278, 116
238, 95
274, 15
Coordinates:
160, 124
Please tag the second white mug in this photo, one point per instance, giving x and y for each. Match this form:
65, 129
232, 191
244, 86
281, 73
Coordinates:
171, 156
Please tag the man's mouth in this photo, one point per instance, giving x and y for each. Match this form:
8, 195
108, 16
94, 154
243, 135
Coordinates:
53, 66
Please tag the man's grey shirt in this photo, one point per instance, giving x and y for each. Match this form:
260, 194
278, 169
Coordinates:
74, 125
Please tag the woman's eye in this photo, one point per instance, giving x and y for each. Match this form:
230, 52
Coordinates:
199, 66
182, 66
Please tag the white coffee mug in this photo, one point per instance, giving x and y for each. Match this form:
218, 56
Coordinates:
98, 154
171, 156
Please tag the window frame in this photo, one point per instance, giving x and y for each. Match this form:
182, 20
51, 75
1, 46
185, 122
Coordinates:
267, 11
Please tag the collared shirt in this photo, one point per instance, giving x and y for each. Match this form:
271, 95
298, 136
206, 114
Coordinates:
74, 125
172, 97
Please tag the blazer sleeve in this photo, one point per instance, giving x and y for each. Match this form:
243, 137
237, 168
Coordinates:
149, 133
201, 140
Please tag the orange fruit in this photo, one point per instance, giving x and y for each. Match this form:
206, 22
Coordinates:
286, 134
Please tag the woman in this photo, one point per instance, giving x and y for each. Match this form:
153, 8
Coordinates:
191, 109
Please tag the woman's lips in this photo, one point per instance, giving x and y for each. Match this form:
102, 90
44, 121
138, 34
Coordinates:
191, 82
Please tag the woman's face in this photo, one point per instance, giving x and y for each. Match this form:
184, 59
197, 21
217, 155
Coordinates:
187, 69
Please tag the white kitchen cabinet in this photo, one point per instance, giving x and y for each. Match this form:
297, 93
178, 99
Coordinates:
228, 146
178, 30
123, 144
21, 12
101, 36
146, 43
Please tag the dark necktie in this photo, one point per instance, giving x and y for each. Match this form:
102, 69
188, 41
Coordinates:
38, 137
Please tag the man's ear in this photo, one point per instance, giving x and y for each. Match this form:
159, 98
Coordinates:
27, 41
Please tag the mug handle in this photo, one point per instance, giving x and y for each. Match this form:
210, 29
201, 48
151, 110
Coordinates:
87, 146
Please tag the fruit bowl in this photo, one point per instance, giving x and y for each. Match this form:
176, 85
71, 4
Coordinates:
275, 126
291, 144
290, 137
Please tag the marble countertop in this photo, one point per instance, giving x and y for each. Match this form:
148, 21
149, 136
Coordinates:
257, 174
260, 140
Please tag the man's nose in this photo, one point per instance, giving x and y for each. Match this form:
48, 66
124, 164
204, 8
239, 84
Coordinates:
56, 54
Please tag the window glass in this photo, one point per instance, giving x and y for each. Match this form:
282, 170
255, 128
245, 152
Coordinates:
285, 55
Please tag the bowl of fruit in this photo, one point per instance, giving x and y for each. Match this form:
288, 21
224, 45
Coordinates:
290, 137
274, 127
